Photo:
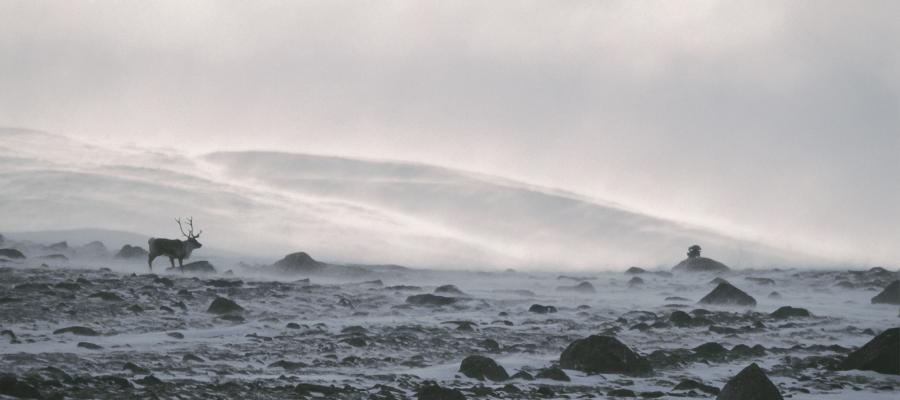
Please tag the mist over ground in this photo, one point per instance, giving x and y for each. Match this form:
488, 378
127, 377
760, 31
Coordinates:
267, 204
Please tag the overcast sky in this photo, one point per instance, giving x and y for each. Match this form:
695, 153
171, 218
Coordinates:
776, 121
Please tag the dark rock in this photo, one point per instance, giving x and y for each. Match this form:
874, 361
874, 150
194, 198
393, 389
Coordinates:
750, 384
700, 264
299, 263
553, 373
12, 386
356, 341
89, 346
222, 305
582, 287
774, 295
55, 257
196, 267
135, 369
77, 330
635, 281
131, 252
12, 254
167, 309
449, 289
710, 349
680, 318
404, 288
727, 294
304, 389
225, 283
717, 280
621, 393
59, 246
107, 296
430, 300
93, 249
192, 357
635, 271
540, 309
790, 312
881, 354
523, 375
603, 354
288, 365
149, 380
689, 384
292, 325
480, 367
490, 344
431, 391
232, 318
176, 335
890, 294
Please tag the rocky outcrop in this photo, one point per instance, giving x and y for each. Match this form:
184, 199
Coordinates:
196, 267
700, 264
603, 354
890, 294
583, 287
131, 252
790, 312
222, 305
881, 354
481, 367
430, 300
12, 254
750, 384
728, 295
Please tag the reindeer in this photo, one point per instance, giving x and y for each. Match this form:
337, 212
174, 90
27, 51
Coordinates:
175, 248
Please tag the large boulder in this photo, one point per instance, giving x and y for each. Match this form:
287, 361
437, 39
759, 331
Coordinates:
450, 290
222, 305
727, 294
429, 299
196, 267
890, 294
790, 312
11, 254
603, 354
431, 391
750, 384
299, 262
131, 252
881, 354
480, 367
92, 249
700, 264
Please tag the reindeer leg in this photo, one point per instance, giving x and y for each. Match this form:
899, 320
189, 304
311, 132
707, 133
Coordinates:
172, 261
181, 265
150, 261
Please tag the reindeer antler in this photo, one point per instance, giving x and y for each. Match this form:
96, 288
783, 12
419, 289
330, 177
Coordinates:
190, 232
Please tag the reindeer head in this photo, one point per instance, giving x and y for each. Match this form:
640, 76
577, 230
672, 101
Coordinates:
191, 237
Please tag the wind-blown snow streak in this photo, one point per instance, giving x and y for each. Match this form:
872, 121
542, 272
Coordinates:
350, 210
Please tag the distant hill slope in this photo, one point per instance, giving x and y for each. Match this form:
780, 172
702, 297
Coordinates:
269, 204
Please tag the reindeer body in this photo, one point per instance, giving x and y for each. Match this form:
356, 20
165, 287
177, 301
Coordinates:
174, 248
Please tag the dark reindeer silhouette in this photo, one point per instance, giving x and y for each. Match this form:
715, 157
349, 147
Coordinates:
175, 248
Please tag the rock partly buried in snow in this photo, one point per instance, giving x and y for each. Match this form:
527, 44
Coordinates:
790, 312
481, 367
222, 305
700, 264
299, 262
583, 287
92, 249
431, 391
750, 384
77, 330
554, 374
11, 254
131, 252
196, 267
430, 300
727, 294
541, 309
881, 354
635, 281
635, 271
890, 294
449, 289
603, 354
